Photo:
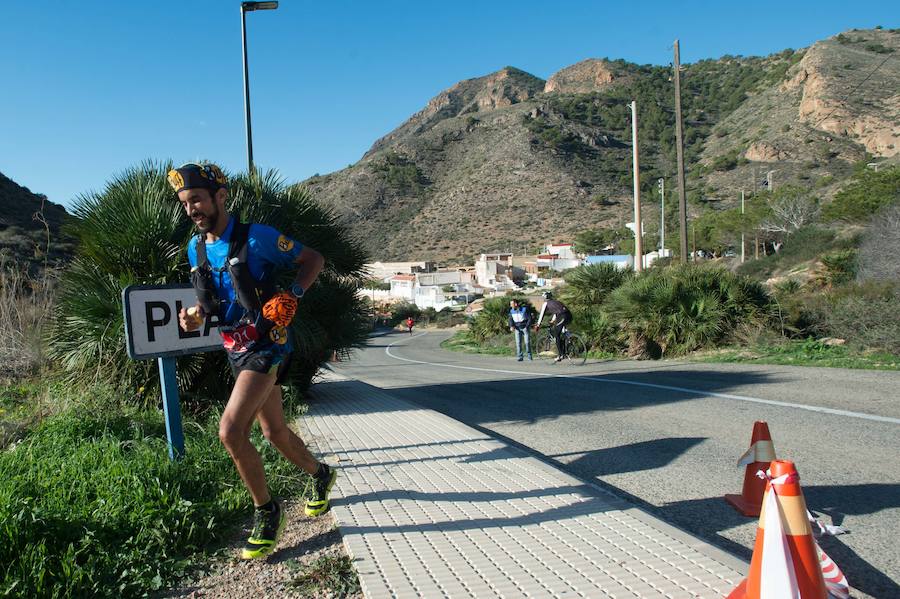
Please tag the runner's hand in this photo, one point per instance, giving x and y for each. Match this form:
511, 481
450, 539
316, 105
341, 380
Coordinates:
191, 318
281, 308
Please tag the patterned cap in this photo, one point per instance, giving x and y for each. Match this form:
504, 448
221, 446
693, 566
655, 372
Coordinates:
192, 176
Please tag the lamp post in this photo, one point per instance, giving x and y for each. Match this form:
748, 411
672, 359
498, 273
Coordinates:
245, 8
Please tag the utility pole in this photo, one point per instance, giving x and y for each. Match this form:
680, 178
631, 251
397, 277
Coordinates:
742, 226
755, 230
679, 153
638, 229
662, 216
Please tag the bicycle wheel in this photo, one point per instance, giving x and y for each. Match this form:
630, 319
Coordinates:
545, 346
576, 349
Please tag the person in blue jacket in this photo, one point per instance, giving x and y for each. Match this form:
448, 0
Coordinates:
519, 324
232, 268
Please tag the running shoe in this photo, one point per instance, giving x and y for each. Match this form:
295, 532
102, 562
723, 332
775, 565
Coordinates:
267, 528
319, 505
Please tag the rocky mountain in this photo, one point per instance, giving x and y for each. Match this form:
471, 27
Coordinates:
509, 161
26, 221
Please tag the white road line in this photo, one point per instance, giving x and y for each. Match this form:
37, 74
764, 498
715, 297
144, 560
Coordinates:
770, 402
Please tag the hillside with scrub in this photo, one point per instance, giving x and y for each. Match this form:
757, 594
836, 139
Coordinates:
509, 161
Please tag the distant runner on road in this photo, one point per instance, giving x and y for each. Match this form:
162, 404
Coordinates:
409, 324
232, 266
560, 316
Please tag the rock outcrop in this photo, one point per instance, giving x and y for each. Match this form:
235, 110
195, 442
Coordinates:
849, 88
586, 76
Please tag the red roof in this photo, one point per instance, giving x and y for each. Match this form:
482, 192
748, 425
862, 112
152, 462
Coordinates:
403, 278
560, 245
547, 256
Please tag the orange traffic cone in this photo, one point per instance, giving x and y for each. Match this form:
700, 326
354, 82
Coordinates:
757, 458
785, 559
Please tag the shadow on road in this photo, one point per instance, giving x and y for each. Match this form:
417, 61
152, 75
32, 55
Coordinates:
709, 516
633, 457
529, 400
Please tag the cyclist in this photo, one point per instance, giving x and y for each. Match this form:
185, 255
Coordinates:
232, 269
560, 316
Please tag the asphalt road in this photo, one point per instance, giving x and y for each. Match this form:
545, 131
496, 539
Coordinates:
668, 434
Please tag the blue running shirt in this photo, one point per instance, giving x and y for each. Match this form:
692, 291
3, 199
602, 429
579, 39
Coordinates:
267, 249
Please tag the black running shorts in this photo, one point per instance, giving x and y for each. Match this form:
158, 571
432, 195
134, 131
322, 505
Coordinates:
263, 360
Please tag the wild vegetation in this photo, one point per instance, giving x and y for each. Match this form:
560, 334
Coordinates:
830, 275
90, 504
134, 232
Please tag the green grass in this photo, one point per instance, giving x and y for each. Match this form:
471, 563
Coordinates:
91, 506
803, 353
463, 341
333, 574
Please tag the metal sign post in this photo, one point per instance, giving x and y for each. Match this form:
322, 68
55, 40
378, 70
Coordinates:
152, 331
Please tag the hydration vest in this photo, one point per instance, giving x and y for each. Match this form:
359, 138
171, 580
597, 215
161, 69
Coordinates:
249, 293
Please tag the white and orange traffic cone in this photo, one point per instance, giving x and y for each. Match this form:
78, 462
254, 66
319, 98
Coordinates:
758, 457
785, 559
835, 582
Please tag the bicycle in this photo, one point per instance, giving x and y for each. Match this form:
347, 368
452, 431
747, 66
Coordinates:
576, 350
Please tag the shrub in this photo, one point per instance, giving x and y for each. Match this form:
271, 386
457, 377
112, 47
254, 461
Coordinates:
865, 315
403, 310
868, 192
879, 259
134, 232
805, 244
25, 303
589, 285
598, 329
493, 319
679, 309
91, 506
840, 266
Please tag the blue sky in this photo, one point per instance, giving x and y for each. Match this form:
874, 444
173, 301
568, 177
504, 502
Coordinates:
91, 88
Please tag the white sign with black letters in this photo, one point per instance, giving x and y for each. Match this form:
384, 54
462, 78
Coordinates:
151, 322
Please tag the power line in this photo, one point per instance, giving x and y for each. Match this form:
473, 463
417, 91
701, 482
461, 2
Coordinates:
853, 91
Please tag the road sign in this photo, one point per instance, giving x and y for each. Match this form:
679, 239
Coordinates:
152, 331
151, 322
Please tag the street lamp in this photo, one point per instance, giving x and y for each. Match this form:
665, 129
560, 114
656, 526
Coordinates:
245, 8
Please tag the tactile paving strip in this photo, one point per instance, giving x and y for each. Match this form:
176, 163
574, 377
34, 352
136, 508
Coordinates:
429, 507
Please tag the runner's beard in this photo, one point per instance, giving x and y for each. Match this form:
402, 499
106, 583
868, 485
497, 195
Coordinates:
209, 220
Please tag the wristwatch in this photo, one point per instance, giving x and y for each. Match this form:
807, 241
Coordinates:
297, 290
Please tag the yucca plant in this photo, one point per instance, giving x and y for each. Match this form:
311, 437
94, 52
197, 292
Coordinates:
679, 309
135, 232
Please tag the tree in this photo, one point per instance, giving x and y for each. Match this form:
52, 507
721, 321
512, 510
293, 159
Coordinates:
135, 232
790, 208
595, 241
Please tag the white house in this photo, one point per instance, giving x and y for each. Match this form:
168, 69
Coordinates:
563, 251
403, 287
383, 270
495, 271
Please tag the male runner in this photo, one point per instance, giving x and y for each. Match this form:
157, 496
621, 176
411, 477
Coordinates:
236, 285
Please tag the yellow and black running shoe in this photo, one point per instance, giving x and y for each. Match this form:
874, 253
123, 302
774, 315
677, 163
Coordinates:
319, 505
267, 528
